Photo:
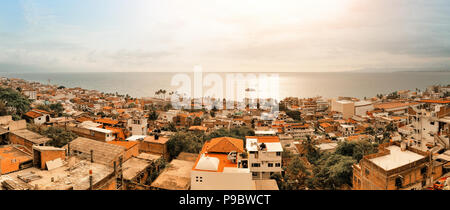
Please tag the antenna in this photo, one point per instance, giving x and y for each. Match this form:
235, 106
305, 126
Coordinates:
232, 156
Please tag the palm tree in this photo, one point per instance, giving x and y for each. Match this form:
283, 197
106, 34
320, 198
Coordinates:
164, 93
158, 92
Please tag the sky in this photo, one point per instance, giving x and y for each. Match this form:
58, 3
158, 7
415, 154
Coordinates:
223, 36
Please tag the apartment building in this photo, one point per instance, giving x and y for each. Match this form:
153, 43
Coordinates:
264, 156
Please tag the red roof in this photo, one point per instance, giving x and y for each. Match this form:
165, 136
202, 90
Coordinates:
436, 101
224, 145
33, 114
107, 121
265, 139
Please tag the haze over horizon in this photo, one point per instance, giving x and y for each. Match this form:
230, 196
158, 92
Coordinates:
224, 36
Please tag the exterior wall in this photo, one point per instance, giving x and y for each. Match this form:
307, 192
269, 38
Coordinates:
8, 166
362, 110
41, 120
347, 109
370, 177
264, 158
21, 141
86, 133
155, 148
5, 120
131, 152
111, 185
221, 181
137, 127
17, 125
422, 128
51, 155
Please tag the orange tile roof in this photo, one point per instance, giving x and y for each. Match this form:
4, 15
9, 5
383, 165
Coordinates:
436, 101
265, 139
118, 131
107, 121
392, 105
41, 111
224, 145
33, 114
325, 125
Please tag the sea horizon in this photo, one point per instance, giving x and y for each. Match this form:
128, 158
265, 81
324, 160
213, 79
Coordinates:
292, 84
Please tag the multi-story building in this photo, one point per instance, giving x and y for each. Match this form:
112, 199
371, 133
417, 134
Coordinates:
395, 167
138, 126
264, 156
218, 167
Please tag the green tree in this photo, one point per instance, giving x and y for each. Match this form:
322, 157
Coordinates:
57, 108
297, 173
333, 172
185, 142
16, 104
59, 136
312, 153
153, 115
356, 149
197, 121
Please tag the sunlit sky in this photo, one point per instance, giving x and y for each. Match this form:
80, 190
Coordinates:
225, 35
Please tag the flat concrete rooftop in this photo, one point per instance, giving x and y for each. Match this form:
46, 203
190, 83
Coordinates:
396, 159
74, 173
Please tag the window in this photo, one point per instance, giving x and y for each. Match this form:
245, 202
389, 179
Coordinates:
255, 174
367, 172
198, 179
270, 165
278, 154
277, 164
256, 165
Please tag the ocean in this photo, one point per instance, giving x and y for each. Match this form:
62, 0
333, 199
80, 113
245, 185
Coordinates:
302, 84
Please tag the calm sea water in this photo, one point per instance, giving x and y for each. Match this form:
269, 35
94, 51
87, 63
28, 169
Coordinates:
291, 84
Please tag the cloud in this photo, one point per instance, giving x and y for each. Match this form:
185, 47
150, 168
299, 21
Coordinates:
254, 36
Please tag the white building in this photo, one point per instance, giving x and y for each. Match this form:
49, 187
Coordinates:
264, 158
38, 117
218, 167
108, 135
346, 108
347, 130
138, 126
31, 94
362, 107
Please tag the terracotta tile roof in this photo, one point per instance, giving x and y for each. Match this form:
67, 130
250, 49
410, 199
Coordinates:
393, 105
118, 131
265, 139
41, 111
224, 145
33, 114
436, 101
325, 125
107, 121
